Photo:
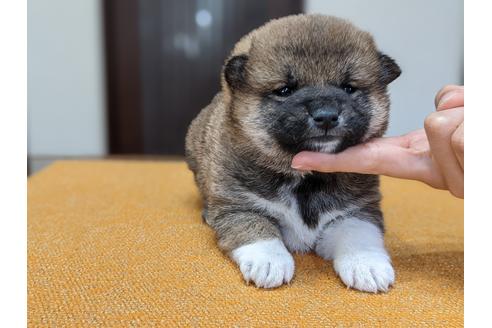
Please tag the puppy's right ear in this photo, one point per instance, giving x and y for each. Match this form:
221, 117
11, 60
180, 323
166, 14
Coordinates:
234, 71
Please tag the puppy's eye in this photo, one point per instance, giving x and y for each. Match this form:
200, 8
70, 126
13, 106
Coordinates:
348, 88
284, 91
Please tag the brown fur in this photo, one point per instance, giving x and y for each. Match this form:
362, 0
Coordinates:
227, 140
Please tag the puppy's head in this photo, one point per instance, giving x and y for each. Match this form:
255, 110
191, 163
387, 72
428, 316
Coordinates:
308, 82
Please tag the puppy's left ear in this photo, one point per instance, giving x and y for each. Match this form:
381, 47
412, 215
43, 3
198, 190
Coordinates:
389, 69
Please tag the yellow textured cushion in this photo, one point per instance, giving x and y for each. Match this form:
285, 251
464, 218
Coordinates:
114, 243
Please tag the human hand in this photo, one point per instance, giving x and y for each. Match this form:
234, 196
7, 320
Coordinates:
434, 155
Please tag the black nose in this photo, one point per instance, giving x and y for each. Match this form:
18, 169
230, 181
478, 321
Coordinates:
325, 117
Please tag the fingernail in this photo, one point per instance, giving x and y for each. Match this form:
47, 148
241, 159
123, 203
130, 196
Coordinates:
300, 166
446, 98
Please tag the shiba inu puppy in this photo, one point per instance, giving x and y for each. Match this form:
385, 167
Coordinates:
305, 82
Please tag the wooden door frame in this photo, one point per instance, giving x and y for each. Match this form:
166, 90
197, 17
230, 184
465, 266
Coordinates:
122, 51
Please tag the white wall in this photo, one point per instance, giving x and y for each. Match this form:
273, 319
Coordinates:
425, 37
66, 105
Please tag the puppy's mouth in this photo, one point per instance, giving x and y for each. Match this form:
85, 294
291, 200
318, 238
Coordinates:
322, 143
326, 136
323, 138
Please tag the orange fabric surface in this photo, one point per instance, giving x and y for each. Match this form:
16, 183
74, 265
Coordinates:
115, 243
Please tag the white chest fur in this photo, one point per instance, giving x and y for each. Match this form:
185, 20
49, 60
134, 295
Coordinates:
297, 236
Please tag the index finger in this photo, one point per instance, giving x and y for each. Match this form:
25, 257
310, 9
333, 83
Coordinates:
368, 158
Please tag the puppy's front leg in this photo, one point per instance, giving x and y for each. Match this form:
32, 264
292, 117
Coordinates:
256, 245
359, 257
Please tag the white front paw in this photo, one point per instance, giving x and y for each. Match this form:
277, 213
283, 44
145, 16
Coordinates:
365, 271
267, 263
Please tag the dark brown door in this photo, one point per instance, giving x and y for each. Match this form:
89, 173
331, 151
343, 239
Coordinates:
164, 60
